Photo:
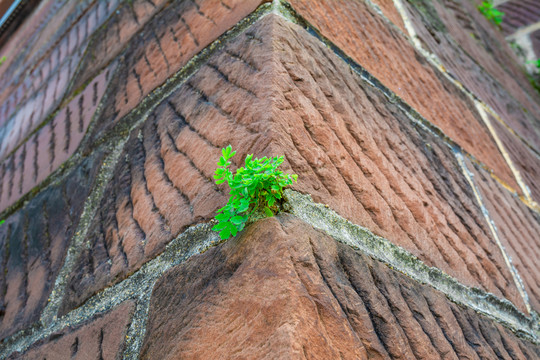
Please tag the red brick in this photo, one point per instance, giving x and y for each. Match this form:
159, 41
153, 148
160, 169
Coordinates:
390, 57
284, 290
524, 159
101, 337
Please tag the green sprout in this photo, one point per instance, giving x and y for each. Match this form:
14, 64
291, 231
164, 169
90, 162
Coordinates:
257, 187
490, 12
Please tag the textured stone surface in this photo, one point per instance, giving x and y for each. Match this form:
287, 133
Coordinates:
33, 243
526, 160
277, 90
389, 56
518, 228
458, 34
53, 144
283, 290
36, 87
165, 44
100, 338
518, 14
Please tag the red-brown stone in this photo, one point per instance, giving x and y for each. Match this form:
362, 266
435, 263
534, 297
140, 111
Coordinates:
468, 51
284, 290
33, 243
518, 228
99, 338
391, 58
277, 90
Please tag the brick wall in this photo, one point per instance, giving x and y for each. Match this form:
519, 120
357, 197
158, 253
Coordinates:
413, 229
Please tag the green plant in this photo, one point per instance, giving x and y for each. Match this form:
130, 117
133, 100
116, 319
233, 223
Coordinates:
2, 60
2, 222
257, 187
490, 12
535, 62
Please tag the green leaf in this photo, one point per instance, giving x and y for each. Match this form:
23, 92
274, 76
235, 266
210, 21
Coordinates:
223, 216
220, 226
268, 212
225, 234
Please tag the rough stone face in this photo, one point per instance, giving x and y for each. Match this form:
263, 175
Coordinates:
31, 97
526, 161
388, 55
478, 63
165, 44
33, 243
285, 290
100, 338
276, 90
518, 14
518, 228
50, 146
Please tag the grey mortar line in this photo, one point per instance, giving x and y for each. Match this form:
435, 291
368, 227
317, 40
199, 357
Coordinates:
137, 287
434, 60
469, 176
76, 245
327, 220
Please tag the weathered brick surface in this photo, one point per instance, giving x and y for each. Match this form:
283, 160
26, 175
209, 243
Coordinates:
389, 56
33, 244
100, 338
167, 43
277, 90
53, 144
518, 228
466, 49
284, 290
32, 96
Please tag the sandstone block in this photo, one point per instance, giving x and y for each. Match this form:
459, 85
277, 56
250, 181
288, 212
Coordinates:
285, 290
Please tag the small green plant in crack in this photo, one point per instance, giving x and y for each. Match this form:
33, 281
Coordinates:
257, 187
490, 12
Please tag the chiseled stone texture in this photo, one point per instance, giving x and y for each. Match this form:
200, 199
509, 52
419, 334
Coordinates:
518, 228
164, 45
389, 56
284, 290
33, 88
100, 338
463, 40
50, 146
33, 243
277, 90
